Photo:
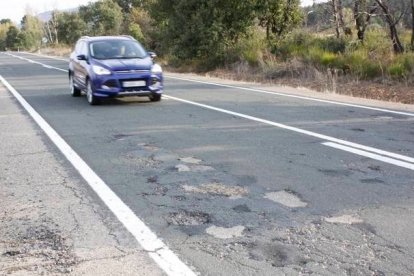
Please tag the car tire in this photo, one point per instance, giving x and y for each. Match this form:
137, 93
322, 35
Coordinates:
92, 100
74, 91
155, 97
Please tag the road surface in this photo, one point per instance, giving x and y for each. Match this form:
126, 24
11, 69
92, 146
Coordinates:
231, 179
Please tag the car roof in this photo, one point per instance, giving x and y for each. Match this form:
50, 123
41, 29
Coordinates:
101, 38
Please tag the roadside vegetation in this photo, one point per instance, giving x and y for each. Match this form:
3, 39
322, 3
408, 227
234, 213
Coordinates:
337, 46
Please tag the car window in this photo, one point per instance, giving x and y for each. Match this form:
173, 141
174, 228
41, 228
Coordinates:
78, 47
115, 49
83, 49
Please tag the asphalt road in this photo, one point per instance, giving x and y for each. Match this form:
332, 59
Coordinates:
275, 184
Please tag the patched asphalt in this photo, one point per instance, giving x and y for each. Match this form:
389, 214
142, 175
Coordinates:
235, 197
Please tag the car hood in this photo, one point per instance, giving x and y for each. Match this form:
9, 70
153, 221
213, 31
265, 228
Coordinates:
126, 64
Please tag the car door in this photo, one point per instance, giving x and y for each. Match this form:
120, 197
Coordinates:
83, 64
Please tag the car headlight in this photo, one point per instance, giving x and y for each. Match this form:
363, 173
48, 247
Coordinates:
100, 70
156, 69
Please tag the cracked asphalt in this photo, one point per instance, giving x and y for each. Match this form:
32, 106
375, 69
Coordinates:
50, 223
228, 195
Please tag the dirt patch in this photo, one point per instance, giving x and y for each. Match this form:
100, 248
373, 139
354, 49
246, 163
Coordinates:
217, 189
37, 249
184, 217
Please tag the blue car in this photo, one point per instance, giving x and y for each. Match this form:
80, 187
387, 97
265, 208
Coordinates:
113, 66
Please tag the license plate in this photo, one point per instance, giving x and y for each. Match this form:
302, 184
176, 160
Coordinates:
133, 83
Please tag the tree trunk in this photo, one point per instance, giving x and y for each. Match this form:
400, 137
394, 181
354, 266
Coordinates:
412, 25
359, 17
392, 23
336, 17
341, 15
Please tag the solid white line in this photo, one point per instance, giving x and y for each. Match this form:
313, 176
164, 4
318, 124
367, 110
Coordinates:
36, 62
310, 133
45, 56
293, 96
158, 251
371, 155
269, 92
295, 129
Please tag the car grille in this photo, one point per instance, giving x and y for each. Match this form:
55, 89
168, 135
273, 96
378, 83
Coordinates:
111, 83
132, 71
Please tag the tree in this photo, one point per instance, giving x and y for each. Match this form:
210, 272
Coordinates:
102, 17
278, 16
73, 22
202, 29
392, 22
50, 28
128, 5
31, 32
5, 21
362, 15
412, 25
141, 26
337, 11
4, 28
12, 38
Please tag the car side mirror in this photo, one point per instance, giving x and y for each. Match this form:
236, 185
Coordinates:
152, 55
81, 57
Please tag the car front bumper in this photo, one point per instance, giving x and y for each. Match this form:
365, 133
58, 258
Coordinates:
112, 86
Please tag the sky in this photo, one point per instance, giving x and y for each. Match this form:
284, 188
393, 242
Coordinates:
16, 9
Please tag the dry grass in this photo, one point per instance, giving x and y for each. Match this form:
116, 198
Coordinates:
56, 51
298, 74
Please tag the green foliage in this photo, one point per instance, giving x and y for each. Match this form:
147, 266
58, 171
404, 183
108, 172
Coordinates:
140, 26
102, 17
31, 32
4, 28
73, 22
202, 29
135, 31
402, 66
278, 17
12, 38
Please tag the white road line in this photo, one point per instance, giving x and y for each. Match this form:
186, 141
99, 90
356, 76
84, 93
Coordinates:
36, 62
294, 96
157, 250
270, 92
371, 155
298, 130
302, 131
45, 56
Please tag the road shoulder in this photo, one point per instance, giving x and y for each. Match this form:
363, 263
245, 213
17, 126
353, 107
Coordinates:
50, 222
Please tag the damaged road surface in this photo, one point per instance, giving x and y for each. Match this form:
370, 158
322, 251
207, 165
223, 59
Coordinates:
233, 179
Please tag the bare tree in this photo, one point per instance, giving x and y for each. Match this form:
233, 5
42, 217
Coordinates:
392, 22
335, 10
362, 15
412, 25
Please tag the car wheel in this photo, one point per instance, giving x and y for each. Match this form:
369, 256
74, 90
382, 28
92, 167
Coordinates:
92, 100
155, 97
75, 92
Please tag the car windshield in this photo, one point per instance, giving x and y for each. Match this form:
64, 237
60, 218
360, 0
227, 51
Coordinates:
115, 49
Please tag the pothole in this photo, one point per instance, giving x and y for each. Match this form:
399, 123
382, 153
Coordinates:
184, 217
190, 160
217, 189
225, 233
243, 208
148, 147
286, 198
121, 136
344, 219
182, 168
193, 168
